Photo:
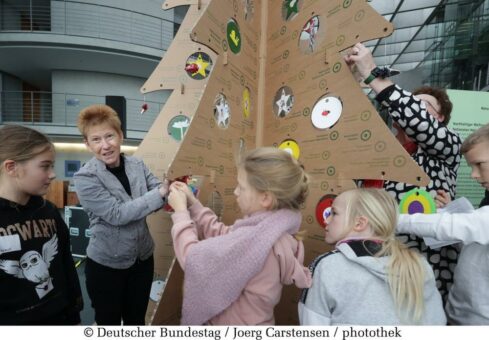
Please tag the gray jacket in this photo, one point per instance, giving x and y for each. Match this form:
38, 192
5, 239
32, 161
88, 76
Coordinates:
120, 234
350, 287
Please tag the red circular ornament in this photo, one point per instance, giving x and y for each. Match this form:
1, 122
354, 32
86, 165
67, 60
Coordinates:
323, 209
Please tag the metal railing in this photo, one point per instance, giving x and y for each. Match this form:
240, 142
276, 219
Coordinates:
86, 20
61, 109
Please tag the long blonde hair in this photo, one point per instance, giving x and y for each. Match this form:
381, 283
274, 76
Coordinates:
276, 171
20, 143
405, 270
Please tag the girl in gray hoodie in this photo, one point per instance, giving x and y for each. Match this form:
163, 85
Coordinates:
370, 278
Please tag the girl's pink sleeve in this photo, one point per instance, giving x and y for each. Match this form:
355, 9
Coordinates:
191, 226
207, 222
184, 235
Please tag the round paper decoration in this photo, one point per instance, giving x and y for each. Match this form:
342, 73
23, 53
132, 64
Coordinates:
177, 127
323, 209
222, 112
291, 147
290, 9
326, 112
198, 66
308, 39
417, 201
283, 101
156, 290
234, 36
246, 103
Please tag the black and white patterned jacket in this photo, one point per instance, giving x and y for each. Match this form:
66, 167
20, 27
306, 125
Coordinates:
438, 150
438, 154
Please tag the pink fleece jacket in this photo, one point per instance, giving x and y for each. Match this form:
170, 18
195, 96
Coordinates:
256, 303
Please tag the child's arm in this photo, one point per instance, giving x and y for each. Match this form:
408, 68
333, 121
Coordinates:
468, 227
207, 222
315, 310
184, 231
205, 219
184, 235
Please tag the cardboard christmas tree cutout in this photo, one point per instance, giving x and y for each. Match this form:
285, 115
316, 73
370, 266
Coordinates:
259, 73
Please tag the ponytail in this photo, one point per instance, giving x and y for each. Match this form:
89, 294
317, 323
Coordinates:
405, 270
406, 279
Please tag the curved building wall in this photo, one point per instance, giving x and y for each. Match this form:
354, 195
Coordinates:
59, 56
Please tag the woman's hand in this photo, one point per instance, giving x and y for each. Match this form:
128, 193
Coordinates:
442, 199
362, 58
164, 188
191, 199
177, 199
361, 61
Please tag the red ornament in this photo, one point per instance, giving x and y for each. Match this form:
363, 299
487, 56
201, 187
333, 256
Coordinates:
144, 107
192, 68
373, 183
323, 209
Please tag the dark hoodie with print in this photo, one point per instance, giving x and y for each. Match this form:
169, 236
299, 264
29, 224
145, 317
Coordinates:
38, 280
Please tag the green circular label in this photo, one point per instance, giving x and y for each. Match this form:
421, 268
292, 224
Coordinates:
178, 126
365, 135
365, 115
233, 36
336, 67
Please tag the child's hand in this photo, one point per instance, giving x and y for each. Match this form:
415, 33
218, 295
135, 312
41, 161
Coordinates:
185, 189
177, 199
442, 199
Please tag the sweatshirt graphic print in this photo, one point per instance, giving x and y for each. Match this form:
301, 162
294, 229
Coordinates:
37, 275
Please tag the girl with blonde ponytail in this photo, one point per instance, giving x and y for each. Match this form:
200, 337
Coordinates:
370, 278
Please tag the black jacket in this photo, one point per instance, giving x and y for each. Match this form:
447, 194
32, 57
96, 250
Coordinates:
38, 279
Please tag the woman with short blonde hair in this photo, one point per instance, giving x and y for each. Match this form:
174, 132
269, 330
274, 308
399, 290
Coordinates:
117, 192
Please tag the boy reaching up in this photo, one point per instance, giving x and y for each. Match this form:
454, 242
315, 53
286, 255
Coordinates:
468, 300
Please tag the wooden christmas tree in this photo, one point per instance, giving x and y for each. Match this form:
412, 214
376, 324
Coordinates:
250, 73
